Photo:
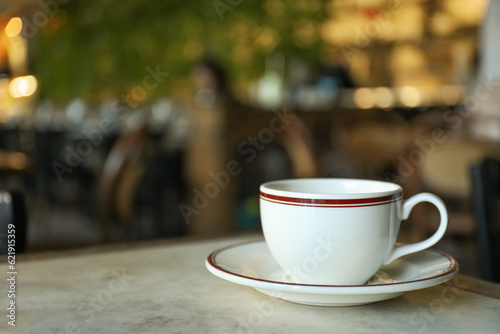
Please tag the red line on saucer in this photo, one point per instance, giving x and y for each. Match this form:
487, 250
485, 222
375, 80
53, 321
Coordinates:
212, 261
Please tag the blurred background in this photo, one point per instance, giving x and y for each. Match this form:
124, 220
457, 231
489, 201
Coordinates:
134, 120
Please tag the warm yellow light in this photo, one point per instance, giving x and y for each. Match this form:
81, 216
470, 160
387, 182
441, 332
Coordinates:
384, 96
410, 96
23, 86
16, 160
14, 88
451, 94
364, 98
14, 27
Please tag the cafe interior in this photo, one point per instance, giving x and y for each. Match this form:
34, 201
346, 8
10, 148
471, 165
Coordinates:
133, 121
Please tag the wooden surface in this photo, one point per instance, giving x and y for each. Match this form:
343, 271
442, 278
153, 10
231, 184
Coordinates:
164, 287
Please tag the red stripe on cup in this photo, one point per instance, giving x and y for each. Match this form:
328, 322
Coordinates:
342, 203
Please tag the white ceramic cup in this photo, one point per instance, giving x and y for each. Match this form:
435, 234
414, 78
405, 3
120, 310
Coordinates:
338, 231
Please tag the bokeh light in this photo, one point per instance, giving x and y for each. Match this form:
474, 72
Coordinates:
410, 96
23, 86
14, 27
384, 97
364, 98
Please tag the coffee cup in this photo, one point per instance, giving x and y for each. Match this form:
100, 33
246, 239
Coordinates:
329, 231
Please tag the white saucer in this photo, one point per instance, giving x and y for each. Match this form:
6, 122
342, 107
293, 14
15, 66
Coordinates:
251, 264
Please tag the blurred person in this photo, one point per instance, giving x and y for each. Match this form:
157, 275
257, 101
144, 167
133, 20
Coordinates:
210, 80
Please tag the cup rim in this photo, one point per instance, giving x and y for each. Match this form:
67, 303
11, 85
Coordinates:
272, 188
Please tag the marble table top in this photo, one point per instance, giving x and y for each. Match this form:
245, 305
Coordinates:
164, 287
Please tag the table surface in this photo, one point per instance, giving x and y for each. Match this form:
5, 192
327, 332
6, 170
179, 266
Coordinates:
164, 287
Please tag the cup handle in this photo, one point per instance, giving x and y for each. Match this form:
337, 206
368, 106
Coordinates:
408, 205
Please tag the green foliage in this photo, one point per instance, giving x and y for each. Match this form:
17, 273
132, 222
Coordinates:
97, 49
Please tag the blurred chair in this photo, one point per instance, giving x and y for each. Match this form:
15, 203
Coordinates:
244, 122
486, 199
268, 146
229, 132
122, 171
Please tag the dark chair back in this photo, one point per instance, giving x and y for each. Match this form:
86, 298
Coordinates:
13, 223
121, 174
486, 200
